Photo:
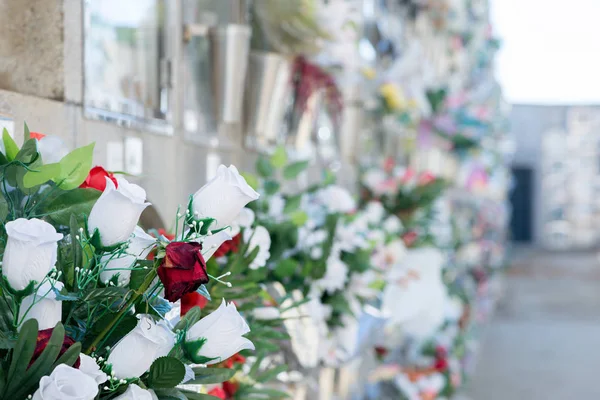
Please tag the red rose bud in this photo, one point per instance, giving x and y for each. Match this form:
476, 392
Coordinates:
42, 341
182, 270
192, 300
235, 359
36, 135
230, 388
219, 393
96, 179
228, 246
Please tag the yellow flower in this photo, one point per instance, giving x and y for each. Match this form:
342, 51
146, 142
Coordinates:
393, 96
368, 73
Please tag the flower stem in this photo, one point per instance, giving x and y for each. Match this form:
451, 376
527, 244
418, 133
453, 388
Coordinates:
132, 300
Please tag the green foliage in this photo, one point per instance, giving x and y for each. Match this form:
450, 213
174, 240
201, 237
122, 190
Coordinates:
77, 202
9, 145
166, 372
279, 157
291, 171
264, 167
205, 376
292, 204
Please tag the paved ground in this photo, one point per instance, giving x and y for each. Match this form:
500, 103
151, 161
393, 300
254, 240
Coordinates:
544, 341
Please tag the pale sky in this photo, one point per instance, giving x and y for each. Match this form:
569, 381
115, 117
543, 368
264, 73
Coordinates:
551, 50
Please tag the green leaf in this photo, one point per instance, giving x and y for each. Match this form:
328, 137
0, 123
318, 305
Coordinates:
272, 187
279, 157
286, 267
271, 374
291, 171
166, 372
170, 394
190, 318
26, 133
3, 208
264, 167
292, 204
251, 180
138, 274
75, 167
75, 202
70, 356
299, 218
42, 174
9, 145
250, 392
206, 376
24, 349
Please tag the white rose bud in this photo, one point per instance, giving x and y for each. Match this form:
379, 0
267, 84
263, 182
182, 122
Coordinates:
266, 313
42, 306
210, 244
223, 197
89, 367
117, 211
135, 353
134, 392
66, 383
30, 252
222, 332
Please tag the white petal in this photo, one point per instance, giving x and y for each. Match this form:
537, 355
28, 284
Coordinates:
211, 244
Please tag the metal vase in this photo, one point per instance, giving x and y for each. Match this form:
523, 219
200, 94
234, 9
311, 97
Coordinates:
230, 47
268, 95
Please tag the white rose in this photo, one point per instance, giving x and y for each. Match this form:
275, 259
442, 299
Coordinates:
134, 392
42, 306
266, 313
245, 219
89, 367
52, 149
135, 353
337, 199
258, 237
392, 224
66, 383
117, 212
222, 331
374, 212
140, 244
223, 197
374, 179
335, 275
210, 244
30, 252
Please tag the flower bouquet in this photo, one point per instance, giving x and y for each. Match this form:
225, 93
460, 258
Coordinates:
88, 296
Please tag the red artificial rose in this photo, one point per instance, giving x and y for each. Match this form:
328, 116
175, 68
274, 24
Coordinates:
182, 270
441, 364
230, 388
36, 135
96, 179
218, 392
228, 246
42, 341
166, 234
191, 300
235, 359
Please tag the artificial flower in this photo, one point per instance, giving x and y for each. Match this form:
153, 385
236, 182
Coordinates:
43, 306
218, 392
89, 367
30, 253
392, 224
266, 313
117, 212
389, 255
96, 179
337, 199
135, 352
191, 300
244, 220
374, 212
335, 277
134, 392
228, 246
219, 335
258, 237
52, 149
223, 197
182, 270
66, 383
43, 338
212, 244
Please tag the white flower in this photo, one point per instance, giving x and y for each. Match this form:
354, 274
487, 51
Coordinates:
392, 224
117, 211
89, 367
337, 199
52, 149
266, 313
141, 244
134, 392
364, 285
374, 212
30, 253
66, 383
42, 306
374, 180
210, 244
117, 265
276, 206
135, 353
222, 332
223, 197
258, 237
335, 275
389, 255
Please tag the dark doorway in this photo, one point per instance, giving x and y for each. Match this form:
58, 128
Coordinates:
521, 200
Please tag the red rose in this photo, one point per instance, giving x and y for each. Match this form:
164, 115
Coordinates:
42, 341
230, 388
36, 136
166, 234
235, 359
191, 300
182, 270
229, 246
96, 179
218, 392
441, 364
